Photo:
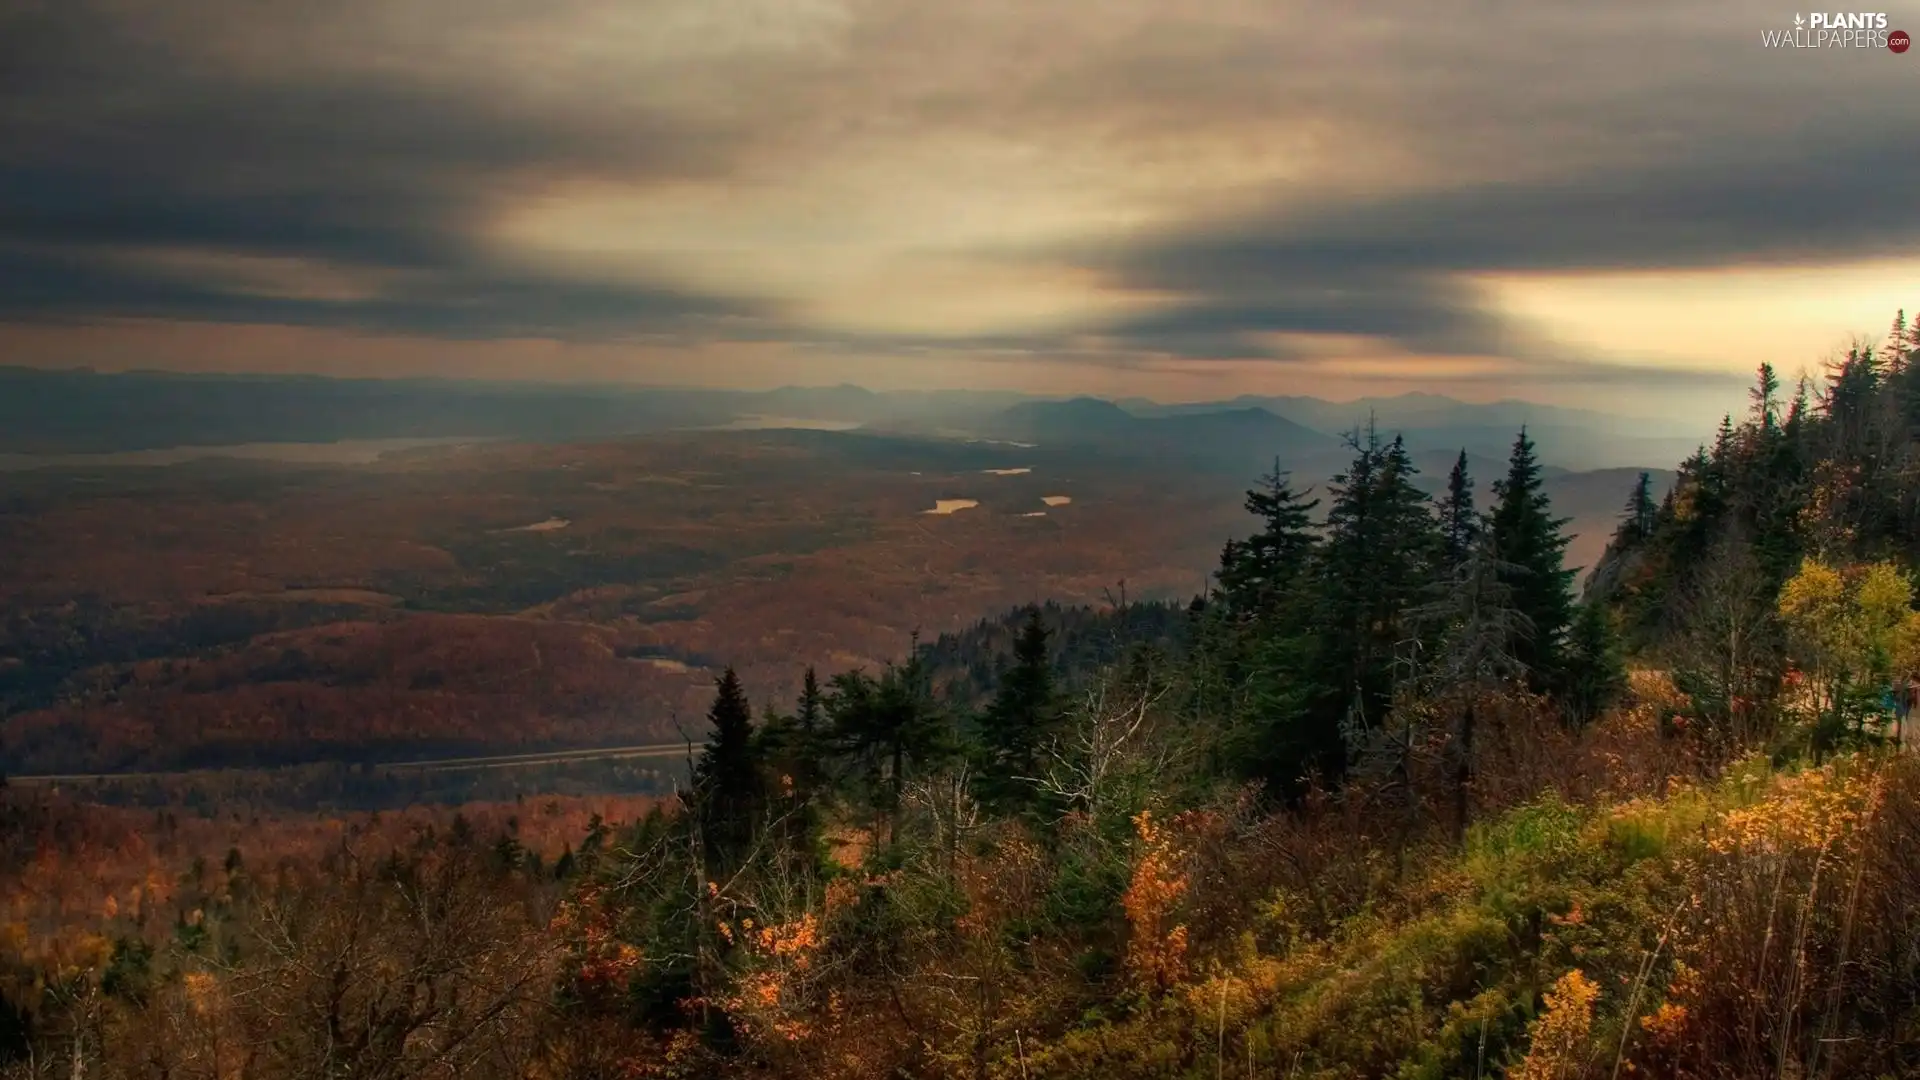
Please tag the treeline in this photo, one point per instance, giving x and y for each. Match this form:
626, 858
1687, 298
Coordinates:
1325, 649
46, 654
1082, 640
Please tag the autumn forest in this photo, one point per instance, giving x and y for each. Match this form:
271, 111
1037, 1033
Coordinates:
1402, 790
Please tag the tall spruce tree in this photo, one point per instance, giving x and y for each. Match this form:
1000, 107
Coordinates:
1595, 674
793, 746
1019, 722
886, 728
1257, 573
1527, 536
1473, 625
726, 780
1765, 396
1250, 658
809, 723
1459, 518
794, 755
1377, 565
1637, 523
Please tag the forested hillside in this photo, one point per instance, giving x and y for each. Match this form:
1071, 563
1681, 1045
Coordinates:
1776, 568
1389, 801
1081, 641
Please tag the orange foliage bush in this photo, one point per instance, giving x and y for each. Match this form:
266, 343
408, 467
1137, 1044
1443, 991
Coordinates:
1157, 950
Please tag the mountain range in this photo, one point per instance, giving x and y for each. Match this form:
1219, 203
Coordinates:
81, 411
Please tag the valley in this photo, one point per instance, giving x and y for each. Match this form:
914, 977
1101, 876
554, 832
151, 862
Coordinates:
508, 598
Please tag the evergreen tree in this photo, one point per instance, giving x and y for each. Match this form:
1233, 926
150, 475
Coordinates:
595, 843
1527, 535
1251, 656
1473, 625
1766, 399
810, 719
726, 780
1899, 342
794, 747
794, 753
1637, 523
508, 854
1378, 560
1016, 726
1459, 519
886, 728
1256, 573
1596, 675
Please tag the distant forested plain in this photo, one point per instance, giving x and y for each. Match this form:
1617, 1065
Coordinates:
510, 596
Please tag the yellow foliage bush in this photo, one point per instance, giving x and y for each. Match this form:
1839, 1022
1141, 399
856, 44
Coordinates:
1559, 1038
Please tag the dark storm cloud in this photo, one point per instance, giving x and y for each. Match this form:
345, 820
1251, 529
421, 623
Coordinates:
115, 142
1394, 267
348, 164
456, 303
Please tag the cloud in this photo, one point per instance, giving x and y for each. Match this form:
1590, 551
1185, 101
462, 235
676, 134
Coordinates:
1405, 266
1117, 182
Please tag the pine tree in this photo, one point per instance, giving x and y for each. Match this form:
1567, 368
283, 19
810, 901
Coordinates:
1459, 519
1528, 536
1382, 542
726, 780
1766, 399
810, 718
1473, 625
1722, 465
1637, 523
1256, 573
886, 728
1899, 341
1596, 674
1022, 717
1799, 410
794, 754
794, 746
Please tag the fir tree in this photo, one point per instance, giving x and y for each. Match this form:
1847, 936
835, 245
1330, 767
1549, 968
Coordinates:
508, 854
886, 728
726, 780
1527, 535
810, 719
1459, 519
1252, 657
1381, 545
1595, 673
794, 746
1637, 523
1473, 624
1899, 341
1016, 726
1766, 399
1256, 573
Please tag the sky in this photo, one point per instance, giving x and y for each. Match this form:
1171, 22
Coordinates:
1631, 202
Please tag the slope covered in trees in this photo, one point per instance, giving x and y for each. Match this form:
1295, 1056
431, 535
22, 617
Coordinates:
1385, 802
1773, 573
